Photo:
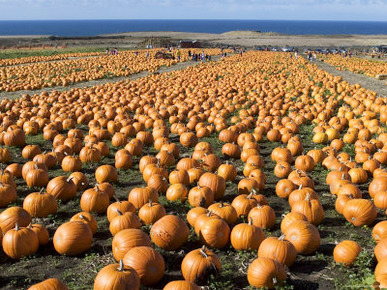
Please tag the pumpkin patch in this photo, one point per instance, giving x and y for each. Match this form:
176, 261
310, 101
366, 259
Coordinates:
221, 175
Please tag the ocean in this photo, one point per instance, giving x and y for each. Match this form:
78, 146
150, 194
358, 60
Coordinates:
98, 27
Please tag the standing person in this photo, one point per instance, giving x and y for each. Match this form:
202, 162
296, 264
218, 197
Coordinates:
189, 53
147, 55
115, 51
107, 50
296, 55
178, 54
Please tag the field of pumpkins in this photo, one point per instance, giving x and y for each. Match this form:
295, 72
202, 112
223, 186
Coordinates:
258, 170
358, 65
49, 71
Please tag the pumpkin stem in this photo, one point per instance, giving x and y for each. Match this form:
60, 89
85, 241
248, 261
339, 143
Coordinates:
17, 226
69, 178
116, 199
307, 197
209, 213
118, 211
41, 190
150, 202
81, 216
250, 221
203, 252
221, 204
121, 266
281, 238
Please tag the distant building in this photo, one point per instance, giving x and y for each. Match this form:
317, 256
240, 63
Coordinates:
189, 44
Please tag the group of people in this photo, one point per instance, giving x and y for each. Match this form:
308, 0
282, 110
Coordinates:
114, 51
199, 56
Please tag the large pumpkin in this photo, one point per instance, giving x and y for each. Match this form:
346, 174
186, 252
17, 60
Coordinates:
72, 238
199, 264
148, 264
117, 277
169, 232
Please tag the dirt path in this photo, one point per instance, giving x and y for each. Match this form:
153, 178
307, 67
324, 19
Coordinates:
163, 69
369, 83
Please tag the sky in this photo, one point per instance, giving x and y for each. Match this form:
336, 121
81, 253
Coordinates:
364, 10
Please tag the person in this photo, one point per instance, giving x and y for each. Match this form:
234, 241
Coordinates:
296, 55
115, 51
178, 53
189, 53
136, 53
107, 51
147, 55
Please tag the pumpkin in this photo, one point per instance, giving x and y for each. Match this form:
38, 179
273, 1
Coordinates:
262, 216
304, 236
80, 180
379, 232
127, 239
177, 191
106, 173
94, 200
72, 238
148, 264
140, 196
20, 242
117, 276
36, 177
227, 171
41, 232
181, 285
278, 249
62, 188
214, 233
40, 204
380, 250
311, 208
179, 176
243, 203
282, 169
289, 218
265, 272
284, 188
246, 236
169, 232
13, 215
87, 218
122, 206
360, 212
194, 213
304, 163
52, 283
199, 264
127, 220
377, 185
346, 252
225, 211
215, 182
7, 194
200, 196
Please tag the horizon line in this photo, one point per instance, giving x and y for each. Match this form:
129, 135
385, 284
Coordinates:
193, 19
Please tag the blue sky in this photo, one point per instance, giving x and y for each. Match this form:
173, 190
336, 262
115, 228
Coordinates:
371, 10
